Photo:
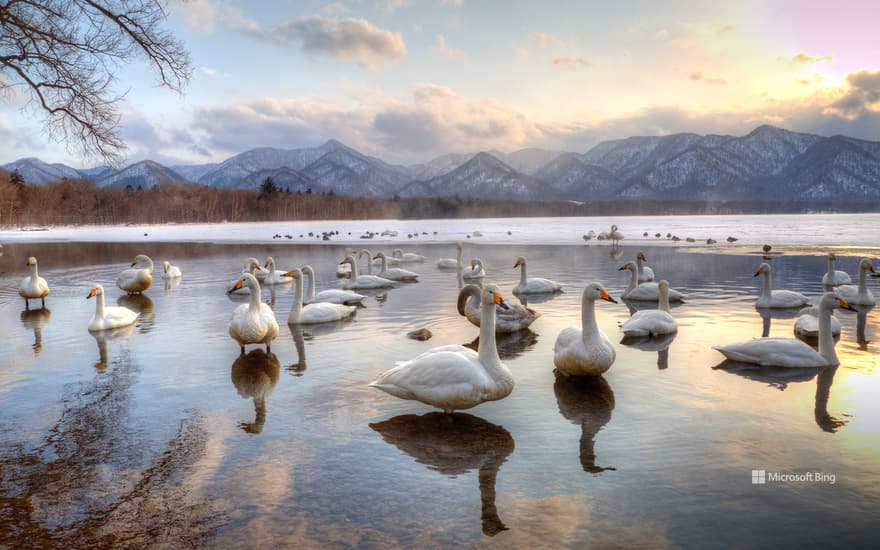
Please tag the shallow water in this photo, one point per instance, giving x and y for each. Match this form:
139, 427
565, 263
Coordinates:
163, 433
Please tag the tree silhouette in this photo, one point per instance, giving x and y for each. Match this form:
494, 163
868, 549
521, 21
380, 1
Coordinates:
268, 187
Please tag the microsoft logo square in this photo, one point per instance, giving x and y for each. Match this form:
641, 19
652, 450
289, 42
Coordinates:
759, 477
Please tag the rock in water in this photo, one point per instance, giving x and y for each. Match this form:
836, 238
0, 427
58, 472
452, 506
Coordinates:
422, 334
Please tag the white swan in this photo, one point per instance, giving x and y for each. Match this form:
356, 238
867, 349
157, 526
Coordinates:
451, 263
510, 319
275, 277
107, 318
33, 286
331, 296
320, 312
394, 273
835, 277
587, 351
254, 322
535, 285
646, 274
652, 322
251, 266
343, 269
807, 324
409, 257
363, 281
645, 292
475, 271
455, 377
138, 277
171, 271
615, 236
859, 295
777, 298
788, 352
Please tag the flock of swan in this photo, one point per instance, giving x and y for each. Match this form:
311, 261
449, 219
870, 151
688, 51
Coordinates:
455, 377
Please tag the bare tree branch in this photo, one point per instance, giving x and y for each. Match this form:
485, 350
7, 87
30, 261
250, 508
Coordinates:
65, 53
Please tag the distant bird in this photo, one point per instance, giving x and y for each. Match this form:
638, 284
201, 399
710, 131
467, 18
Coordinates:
669, 235
732, 239
767, 248
645, 234
657, 235
170, 271
691, 240
675, 238
711, 241
615, 236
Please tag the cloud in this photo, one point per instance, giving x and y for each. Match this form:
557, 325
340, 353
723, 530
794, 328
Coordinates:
802, 58
571, 63
453, 3
543, 39
862, 97
443, 49
392, 5
335, 8
204, 15
354, 39
712, 81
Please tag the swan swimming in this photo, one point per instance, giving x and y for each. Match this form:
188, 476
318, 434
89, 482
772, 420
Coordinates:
451, 263
358, 281
319, 312
343, 269
135, 280
646, 292
107, 318
652, 322
535, 285
586, 351
859, 295
251, 266
510, 319
275, 277
254, 322
33, 286
835, 277
409, 257
170, 271
777, 298
455, 377
646, 274
475, 271
788, 352
807, 324
331, 296
394, 273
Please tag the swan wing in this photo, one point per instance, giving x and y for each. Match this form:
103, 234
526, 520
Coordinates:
773, 352
808, 325
335, 296
538, 285
323, 312
649, 323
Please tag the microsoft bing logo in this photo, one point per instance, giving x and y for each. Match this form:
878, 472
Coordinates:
759, 477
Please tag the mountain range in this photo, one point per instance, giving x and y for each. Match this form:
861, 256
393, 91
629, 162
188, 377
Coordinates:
769, 163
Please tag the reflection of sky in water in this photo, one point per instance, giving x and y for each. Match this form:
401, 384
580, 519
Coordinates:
159, 425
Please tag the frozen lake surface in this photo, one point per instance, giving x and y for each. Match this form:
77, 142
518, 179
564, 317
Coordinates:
163, 434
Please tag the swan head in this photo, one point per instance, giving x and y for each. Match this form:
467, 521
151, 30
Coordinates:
379, 255
519, 261
458, 246
307, 269
33, 261
831, 257
613, 228
141, 258
763, 269
867, 265
97, 290
397, 253
295, 273
476, 262
663, 285
628, 265
491, 296
269, 261
832, 300
347, 260
247, 280
595, 291
641, 256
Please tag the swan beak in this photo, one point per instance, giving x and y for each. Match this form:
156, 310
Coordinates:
376, 257
871, 268
267, 265
134, 263
517, 264
474, 266
238, 284
833, 256
343, 262
92, 294
289, 274
622, 268
607, 297
760, 270
499, 301
845, 305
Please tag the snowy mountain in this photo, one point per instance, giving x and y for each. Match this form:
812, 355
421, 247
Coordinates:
144, 174
35, 171
483, 176
529, 161
570, 177
285, 178
192, 172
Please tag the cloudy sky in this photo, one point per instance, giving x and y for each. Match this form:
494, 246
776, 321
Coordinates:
408, 80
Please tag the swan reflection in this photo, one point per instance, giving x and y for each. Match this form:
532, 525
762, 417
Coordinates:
861, 324
767, 314
659, 343
142, 304
588, 401
454, 444
103, 338
510, 344
298, 368
37, 320
254, 375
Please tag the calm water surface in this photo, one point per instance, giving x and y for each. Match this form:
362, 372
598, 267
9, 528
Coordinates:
162, 433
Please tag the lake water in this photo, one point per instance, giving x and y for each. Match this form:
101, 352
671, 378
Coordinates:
164, 434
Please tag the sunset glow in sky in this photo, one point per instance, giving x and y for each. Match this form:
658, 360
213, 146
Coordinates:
408, 80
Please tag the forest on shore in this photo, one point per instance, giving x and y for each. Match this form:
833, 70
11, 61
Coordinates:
81, 201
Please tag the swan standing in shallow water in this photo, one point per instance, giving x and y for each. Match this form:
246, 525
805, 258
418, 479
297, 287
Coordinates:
275, 277
475, 271
451, 263
358, 281
788, 352
807, 324
394, 273
107, 318
251, 266
535, 285
170, 271
835, 277
652, 322
646, 274
646, 292
33, 286
510, 319
615, 236
587, 351
777, 298
254, 322
408, 258
455, 377
859, 295
320, 312
331, 296
138, 277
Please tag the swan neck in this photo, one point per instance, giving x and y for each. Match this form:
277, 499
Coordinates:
354, 270
768, 285
826, 339
663, 304
311, 275
523, 277
34, 271
589, 328
384, 263
99, 305
633, 280
488, 351
830, 267
640, 266
256, 296
149, 263
863, 281
296, 307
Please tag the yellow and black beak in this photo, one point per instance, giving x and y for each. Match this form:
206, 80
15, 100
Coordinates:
343, 262
845, 305
623, 268
376, 257
289, 274
266, 265
833, 256
238, 284
92, 293
499, 301
134, 262
517, 264
605, 296
473, 265
760, 271
871, 268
